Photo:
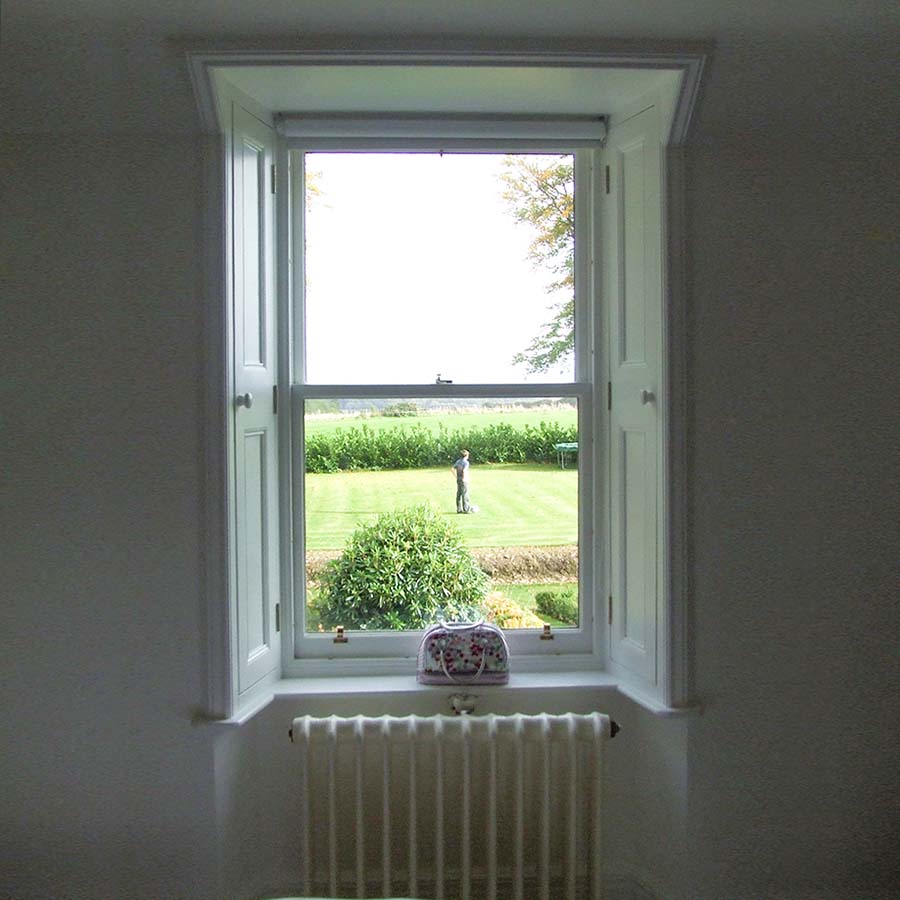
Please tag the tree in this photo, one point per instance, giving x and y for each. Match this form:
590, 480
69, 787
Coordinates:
540, 191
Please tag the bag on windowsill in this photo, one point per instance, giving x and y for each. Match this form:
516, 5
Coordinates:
463, 653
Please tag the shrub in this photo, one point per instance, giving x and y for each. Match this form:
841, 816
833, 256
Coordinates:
404, 408
508, 614
404, 570
561, 605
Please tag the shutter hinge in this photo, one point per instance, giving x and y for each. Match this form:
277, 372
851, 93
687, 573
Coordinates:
609, 396
607, 179
273, 179
274, 399
278, 617
609, 611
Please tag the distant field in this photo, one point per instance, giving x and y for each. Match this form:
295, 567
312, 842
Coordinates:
434, 421
519, 505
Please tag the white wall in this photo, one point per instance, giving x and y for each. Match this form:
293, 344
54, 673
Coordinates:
791, 783
794, 326
107, 782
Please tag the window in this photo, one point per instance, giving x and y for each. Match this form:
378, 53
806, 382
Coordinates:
443, 321
623, 387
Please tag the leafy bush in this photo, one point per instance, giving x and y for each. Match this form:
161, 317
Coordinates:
507, 613
403, 408
416, 447
404, 570
561, 605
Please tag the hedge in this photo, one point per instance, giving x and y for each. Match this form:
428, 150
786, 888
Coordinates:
416, 447
562, 605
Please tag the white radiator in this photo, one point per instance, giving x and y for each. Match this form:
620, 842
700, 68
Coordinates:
452, 807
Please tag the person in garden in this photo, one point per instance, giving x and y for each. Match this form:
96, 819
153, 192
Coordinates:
461, 470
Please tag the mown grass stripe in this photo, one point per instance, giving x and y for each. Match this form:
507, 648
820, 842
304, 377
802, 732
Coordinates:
518, 505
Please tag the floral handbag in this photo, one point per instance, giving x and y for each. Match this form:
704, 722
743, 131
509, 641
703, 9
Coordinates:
463, 653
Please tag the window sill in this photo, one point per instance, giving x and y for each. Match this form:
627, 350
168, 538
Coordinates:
402, 694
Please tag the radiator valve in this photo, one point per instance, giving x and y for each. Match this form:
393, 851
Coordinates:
463, 704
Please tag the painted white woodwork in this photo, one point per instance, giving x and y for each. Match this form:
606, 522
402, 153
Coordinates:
584, 129
477, 84
560, 83
366, 652
631, 243
255, 374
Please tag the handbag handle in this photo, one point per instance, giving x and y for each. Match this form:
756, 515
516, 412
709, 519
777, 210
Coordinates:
469, 678
460, 626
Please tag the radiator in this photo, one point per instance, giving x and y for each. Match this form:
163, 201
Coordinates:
456, 807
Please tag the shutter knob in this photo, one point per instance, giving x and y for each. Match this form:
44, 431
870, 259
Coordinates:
245, 400
647, 396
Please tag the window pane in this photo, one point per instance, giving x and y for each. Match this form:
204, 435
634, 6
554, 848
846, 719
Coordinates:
421, 265
402, 526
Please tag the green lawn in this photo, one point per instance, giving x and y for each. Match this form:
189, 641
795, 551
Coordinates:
518, 505
451, 420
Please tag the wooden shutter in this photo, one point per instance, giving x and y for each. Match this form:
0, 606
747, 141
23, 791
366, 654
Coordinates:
255, 373
632, 253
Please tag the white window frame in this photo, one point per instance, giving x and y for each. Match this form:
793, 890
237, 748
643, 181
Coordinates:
672, 689
394, 650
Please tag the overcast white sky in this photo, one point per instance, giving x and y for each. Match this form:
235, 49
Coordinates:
416, 266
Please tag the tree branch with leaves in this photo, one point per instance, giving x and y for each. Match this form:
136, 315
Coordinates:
540, 192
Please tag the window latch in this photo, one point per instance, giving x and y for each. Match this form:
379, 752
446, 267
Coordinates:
440, 380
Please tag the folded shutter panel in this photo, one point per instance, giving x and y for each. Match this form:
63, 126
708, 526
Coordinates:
255, 370
633, 253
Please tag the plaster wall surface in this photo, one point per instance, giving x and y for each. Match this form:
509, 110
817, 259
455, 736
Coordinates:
795, 610
787, 783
